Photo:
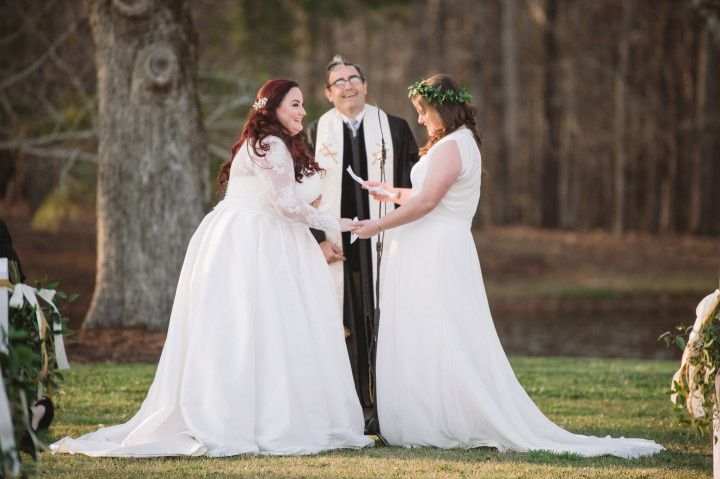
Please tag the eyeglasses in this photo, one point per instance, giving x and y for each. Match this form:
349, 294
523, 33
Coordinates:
340, 83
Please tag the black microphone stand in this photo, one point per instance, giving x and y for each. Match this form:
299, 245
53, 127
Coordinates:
373, 425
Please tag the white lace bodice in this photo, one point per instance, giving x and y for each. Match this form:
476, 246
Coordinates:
461, 200
267, 183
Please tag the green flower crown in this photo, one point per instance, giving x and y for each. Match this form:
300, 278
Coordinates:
434, 94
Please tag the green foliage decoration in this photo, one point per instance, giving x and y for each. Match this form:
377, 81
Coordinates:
693, 387
435, 94
29, 368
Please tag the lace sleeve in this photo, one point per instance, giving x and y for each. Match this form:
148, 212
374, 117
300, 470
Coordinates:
277, 174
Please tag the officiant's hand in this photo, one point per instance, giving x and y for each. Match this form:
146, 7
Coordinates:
367, 228
378, 197
331, 251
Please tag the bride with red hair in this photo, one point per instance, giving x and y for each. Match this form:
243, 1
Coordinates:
255, 359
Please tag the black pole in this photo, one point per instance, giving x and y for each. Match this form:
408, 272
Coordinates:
373, 425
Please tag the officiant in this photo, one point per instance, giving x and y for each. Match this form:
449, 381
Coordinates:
351, 134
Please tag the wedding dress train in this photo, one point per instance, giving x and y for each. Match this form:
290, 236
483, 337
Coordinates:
255, 358
443, 378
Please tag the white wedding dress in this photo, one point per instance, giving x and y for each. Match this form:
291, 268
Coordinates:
255, 358
443, 378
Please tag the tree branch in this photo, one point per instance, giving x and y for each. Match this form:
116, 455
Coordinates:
37, 146
49, 108
19, 31
60, 153
65, 170
225, 106
48, 139
89, 103
37, 63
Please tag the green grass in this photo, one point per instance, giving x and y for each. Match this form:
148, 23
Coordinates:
604, 289
588, 396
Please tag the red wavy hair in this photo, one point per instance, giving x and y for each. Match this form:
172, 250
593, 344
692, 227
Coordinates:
262, 123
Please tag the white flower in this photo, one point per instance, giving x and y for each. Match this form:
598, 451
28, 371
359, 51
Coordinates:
261, 102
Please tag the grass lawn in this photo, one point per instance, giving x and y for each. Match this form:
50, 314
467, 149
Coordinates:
588, 396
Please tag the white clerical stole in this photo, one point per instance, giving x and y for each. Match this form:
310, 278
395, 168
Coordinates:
329, 148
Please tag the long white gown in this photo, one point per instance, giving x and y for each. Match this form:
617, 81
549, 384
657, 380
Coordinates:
443, 378
255, 358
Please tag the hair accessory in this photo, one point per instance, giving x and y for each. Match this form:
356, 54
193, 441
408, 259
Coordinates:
261, 102
436, 94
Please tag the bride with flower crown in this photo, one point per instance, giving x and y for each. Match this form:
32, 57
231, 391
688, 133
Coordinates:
442, 376
255, 359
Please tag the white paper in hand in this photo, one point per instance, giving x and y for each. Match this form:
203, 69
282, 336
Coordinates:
353, 236
373, 189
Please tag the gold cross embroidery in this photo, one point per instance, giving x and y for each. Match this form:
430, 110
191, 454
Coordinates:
376, 155
325, 150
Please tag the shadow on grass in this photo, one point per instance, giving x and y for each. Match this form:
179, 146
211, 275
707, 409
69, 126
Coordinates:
389, 462
669, 459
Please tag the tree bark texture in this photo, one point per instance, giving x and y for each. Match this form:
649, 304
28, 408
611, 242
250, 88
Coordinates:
152, 157
551, 157
710, 143
619, 124
508, 42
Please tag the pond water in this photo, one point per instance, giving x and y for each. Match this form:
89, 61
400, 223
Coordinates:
617, 335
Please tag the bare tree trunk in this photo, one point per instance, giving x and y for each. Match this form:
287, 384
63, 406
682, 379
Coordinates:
668, 183
652, 191
651, 121
696, 186
152, 157
439, 41
476, 38
506, 165
430, 37
710, 144
489, 73
618, 220
551, 163
570, 181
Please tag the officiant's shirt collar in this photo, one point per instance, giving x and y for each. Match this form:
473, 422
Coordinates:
359, 117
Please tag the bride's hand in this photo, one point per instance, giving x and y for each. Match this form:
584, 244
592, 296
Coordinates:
369, 184
346, 224
366, 228
316, 202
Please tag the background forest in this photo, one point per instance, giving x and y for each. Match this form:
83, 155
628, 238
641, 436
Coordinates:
598, 114
601, 144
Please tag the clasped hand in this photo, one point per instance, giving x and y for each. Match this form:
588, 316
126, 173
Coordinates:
346, 224
364, 229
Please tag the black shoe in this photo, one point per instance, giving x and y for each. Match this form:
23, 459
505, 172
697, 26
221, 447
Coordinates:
47, 416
